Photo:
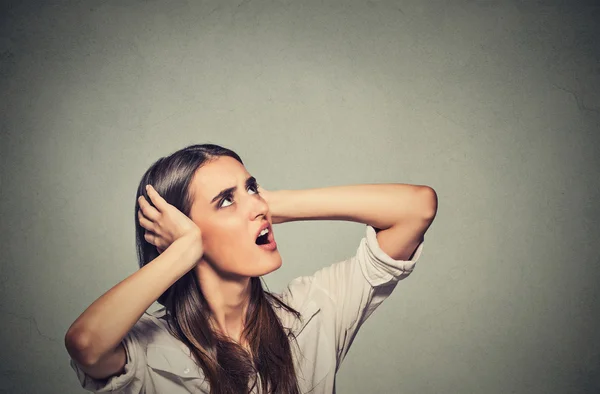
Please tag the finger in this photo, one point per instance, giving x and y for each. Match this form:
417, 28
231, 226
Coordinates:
151, 238
148, 210
145, 223
156, 198
155, 240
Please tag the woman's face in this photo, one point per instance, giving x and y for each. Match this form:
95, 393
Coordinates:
230, 223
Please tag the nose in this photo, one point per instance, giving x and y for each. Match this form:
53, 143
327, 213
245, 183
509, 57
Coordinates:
258, 207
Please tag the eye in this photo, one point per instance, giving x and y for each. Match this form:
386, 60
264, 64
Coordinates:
254, 188
229, 197
226, 198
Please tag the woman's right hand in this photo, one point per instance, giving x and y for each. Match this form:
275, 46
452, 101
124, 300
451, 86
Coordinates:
164, 223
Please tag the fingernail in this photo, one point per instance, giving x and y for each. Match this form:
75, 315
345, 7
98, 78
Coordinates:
147, 187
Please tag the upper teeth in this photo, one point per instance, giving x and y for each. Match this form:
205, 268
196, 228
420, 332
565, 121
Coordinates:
263, 232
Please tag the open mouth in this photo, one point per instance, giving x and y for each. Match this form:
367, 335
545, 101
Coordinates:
263, 238
266, 240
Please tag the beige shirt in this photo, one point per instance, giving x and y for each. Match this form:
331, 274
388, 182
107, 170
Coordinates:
334, 303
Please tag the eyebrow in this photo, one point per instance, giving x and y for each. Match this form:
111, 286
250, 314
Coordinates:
225, 192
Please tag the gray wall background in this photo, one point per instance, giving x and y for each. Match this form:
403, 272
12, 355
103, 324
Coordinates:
494, 104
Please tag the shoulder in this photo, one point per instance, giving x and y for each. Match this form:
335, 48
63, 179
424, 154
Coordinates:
150, 326
165, 352
153, 330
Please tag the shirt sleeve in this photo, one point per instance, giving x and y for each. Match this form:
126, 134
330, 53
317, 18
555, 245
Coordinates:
357, 286
131, 381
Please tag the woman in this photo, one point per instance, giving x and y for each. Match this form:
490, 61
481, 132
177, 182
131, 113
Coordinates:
205, 237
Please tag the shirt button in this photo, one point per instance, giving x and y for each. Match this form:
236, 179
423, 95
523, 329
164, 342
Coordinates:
186, 371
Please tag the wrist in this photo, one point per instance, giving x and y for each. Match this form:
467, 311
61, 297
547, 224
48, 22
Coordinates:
275, 200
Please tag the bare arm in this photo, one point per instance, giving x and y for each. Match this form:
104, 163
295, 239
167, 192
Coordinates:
349, 291
402, 213
94, 339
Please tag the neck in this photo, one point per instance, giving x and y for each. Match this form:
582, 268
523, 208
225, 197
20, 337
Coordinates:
228, 299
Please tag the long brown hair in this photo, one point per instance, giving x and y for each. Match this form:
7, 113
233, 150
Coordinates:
228, 367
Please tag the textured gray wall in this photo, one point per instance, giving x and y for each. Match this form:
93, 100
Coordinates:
494, 104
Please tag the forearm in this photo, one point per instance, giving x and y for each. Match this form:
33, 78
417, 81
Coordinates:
379, 205
101, 327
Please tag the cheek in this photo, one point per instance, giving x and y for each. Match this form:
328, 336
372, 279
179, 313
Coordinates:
226, 247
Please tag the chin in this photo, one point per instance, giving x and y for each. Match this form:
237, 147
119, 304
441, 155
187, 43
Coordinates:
272, 267
277, 266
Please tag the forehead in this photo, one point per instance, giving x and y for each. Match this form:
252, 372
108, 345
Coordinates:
217, 174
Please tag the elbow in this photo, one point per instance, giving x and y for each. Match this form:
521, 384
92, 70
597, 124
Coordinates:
429, 203
78, 345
